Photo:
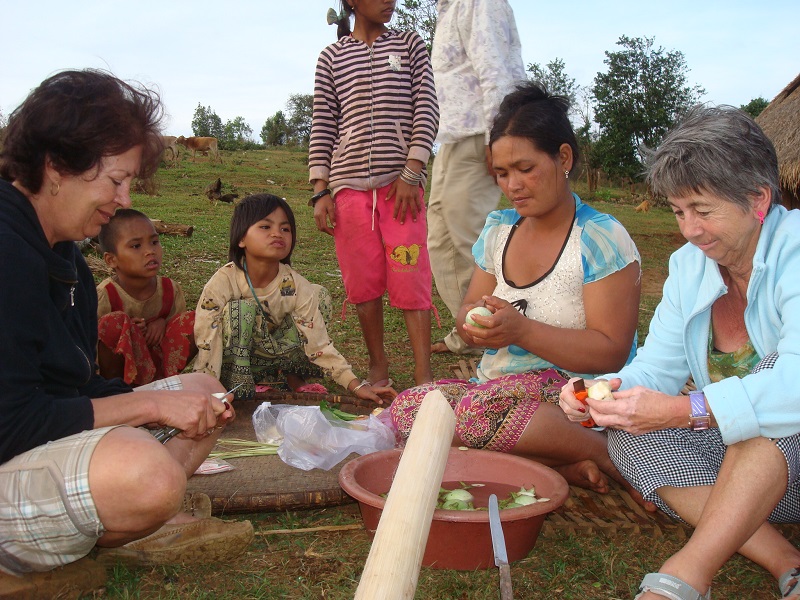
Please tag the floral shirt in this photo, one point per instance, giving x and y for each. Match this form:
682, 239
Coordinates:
477, 60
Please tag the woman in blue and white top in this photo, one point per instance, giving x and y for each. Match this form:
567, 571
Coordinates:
561, 281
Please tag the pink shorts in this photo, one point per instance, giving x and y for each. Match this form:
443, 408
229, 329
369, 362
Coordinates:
377, 254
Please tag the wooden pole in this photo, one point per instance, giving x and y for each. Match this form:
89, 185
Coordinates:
392, 568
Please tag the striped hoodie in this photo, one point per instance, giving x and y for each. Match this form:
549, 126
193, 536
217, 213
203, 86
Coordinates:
374, 108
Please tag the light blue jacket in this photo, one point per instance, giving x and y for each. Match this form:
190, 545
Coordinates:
765, 404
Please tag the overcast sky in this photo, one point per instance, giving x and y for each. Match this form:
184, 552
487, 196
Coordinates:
245, 57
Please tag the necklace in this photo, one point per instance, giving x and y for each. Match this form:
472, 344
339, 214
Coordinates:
253, 291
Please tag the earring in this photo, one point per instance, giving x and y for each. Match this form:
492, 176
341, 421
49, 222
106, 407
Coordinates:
55, 188
760, 216
566, 174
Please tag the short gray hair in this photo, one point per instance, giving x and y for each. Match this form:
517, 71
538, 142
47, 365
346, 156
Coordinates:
720, 150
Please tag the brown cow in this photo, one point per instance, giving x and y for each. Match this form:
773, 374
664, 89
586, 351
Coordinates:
200, 144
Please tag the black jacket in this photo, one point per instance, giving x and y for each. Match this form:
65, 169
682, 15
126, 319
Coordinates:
48, 334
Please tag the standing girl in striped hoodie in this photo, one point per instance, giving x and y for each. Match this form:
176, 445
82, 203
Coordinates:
374, 121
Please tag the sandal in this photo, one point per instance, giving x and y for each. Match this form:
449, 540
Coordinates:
789, 583
670, 587
312, 388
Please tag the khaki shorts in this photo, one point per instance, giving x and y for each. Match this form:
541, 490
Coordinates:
47, 514
46, 509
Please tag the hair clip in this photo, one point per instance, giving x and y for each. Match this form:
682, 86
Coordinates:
333, 16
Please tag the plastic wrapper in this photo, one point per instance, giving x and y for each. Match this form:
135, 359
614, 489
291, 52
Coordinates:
211, 466
265, 423
313, 441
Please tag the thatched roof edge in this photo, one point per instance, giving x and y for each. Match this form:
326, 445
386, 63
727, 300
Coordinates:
781, 122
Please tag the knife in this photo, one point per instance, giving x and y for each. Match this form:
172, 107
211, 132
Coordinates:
166, 433
499, 547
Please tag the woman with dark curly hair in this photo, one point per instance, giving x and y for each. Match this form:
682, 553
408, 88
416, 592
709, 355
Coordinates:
68, 436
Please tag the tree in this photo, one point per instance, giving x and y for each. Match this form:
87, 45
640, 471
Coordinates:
236, 135
555, 79
419, 16
587, 137
275, 130
299, 108
637, 101
755, 106
206, 123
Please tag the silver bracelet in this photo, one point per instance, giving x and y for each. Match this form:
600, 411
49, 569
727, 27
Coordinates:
360, 385
408, 175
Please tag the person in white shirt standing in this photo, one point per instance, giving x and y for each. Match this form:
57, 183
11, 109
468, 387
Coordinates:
477, 60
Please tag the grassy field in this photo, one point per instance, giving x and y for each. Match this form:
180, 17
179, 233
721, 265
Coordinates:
328, 564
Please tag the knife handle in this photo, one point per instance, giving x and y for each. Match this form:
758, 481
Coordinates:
505, 583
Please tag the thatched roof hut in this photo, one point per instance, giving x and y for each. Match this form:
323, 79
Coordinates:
781, 122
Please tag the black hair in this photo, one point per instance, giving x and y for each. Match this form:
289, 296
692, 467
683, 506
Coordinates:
109, 233
76, 118
250, 211
343, 23
533, 113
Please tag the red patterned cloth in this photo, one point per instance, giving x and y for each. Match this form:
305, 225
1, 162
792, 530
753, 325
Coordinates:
144, 363
490, 415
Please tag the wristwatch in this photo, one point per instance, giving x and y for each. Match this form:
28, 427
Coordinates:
699, 419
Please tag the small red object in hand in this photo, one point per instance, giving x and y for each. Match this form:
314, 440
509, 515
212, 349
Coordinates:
579, 387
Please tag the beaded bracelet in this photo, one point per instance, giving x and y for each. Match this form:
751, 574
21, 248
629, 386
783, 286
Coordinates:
360, 385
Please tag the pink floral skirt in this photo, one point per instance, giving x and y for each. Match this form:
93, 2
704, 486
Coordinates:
491, 415
144, 363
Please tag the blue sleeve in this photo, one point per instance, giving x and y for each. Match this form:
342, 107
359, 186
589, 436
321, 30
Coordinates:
606, 246
483, 249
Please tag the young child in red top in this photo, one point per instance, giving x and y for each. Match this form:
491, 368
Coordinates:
145, 332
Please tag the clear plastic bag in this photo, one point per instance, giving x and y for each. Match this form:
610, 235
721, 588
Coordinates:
265, 424
310, 440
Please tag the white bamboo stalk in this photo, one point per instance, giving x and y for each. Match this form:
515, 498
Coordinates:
392, 568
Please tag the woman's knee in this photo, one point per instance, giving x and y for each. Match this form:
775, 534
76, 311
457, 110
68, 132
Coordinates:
153, 483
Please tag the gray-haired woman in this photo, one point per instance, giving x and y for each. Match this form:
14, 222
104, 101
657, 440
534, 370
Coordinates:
725, 458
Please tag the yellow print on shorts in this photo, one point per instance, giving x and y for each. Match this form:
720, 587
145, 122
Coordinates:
405, 255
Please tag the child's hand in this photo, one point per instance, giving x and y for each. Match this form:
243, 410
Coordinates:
154, 331
141, 324
406, 200
324, 213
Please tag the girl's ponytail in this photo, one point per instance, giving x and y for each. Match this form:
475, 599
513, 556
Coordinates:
341, 19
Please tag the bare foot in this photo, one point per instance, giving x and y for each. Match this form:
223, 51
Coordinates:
608, 467
439, 347
585, 474
637, 497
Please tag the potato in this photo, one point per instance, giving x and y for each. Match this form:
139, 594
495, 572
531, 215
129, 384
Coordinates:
600, 391
478, 310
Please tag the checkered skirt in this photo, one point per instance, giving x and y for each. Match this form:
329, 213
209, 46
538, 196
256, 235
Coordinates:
685, 458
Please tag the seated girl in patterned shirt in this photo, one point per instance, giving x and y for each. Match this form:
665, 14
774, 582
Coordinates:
258, 318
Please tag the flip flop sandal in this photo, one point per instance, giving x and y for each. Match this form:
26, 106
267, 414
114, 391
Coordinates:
312, 388
670, 587
789, 583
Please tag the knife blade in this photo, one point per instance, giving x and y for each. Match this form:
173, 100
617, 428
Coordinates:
499, 547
